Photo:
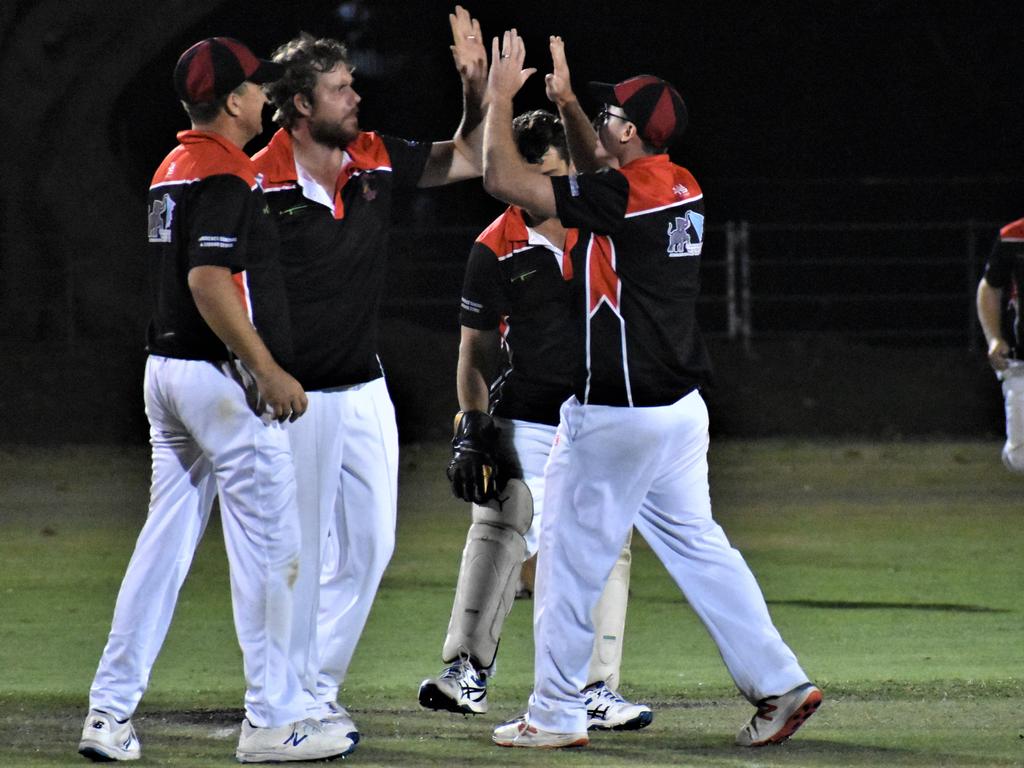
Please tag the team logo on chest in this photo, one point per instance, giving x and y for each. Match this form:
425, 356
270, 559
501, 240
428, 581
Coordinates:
368, 189
686, 235
161, 213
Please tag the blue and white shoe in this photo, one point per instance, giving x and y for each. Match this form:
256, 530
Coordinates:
305, 740
104, 739
607, 711
332, 712
460, 688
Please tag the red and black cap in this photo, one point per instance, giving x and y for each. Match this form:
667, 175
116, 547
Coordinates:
651, 104
216, 66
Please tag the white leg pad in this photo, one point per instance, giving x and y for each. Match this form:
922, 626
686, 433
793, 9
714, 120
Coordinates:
610, 622
1013, 396
491, 561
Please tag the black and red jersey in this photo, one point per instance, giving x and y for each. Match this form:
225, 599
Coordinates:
334, 251
206, 209
1005, 270
638, 277
519, 282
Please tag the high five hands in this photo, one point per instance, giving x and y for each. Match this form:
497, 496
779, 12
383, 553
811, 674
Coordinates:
557, 85
507, 74
468, 49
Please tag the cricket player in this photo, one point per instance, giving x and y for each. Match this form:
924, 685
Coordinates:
998, 304
216, 395
516, 321
631, 444
330, 186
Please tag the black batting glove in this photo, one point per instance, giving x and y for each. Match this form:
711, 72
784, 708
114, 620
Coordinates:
473, 469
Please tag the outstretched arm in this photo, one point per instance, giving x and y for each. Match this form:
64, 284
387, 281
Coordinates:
506, 175
578, 131
462, 157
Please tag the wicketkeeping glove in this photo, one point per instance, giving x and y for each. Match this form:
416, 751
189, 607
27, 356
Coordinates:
473, 469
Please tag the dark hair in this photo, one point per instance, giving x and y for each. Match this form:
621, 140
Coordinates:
535, 132
201, 114
305, 58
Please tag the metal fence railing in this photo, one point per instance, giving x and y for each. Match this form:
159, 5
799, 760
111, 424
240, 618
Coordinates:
893, 283
908, 282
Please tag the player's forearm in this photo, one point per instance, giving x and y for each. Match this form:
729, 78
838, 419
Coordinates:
216, 297
446, 164
989, 303
472, 389
477, 367
469, 138
506, 176
579, 134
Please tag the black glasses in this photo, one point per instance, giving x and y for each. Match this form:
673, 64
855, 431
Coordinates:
604, 115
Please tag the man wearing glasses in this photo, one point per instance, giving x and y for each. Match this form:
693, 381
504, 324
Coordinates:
631, 445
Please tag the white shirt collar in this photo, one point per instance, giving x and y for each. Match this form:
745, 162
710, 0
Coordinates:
313, 189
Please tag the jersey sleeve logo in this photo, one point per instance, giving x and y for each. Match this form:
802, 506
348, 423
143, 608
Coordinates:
686, 235
468, 305
161, 214
217, 241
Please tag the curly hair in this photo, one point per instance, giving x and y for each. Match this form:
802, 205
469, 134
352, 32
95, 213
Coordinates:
305, 58
536, 131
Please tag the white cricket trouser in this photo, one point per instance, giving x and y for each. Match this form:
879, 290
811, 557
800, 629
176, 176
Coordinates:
1013, 400
527, 445
345, 449
206, 441
613, 467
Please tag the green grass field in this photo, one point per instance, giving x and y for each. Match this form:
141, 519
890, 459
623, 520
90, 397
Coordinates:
893, 570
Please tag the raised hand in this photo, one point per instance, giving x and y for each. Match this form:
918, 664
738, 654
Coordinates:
557, 85
507, 74
468, 49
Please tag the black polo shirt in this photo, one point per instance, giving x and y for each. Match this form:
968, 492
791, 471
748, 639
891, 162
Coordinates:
334, 252
1005, 270
638, 277
518, 282
206, 209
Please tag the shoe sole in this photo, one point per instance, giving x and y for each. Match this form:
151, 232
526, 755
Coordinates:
432, 697
580, 742
634, 724
800, 716
97, 755
277, 757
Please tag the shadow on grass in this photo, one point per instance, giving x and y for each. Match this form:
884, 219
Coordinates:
844, 605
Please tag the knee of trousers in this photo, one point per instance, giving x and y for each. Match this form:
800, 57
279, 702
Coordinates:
383, 547
513, 509
1013, 458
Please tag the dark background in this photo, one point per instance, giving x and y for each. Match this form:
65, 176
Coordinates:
801, 113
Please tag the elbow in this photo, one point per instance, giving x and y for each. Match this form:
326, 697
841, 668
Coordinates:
494, 183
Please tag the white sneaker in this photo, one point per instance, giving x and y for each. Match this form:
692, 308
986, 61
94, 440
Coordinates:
104, 739
460, 688
332, 712
519, 733
778, 717
607, 711
305, 740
